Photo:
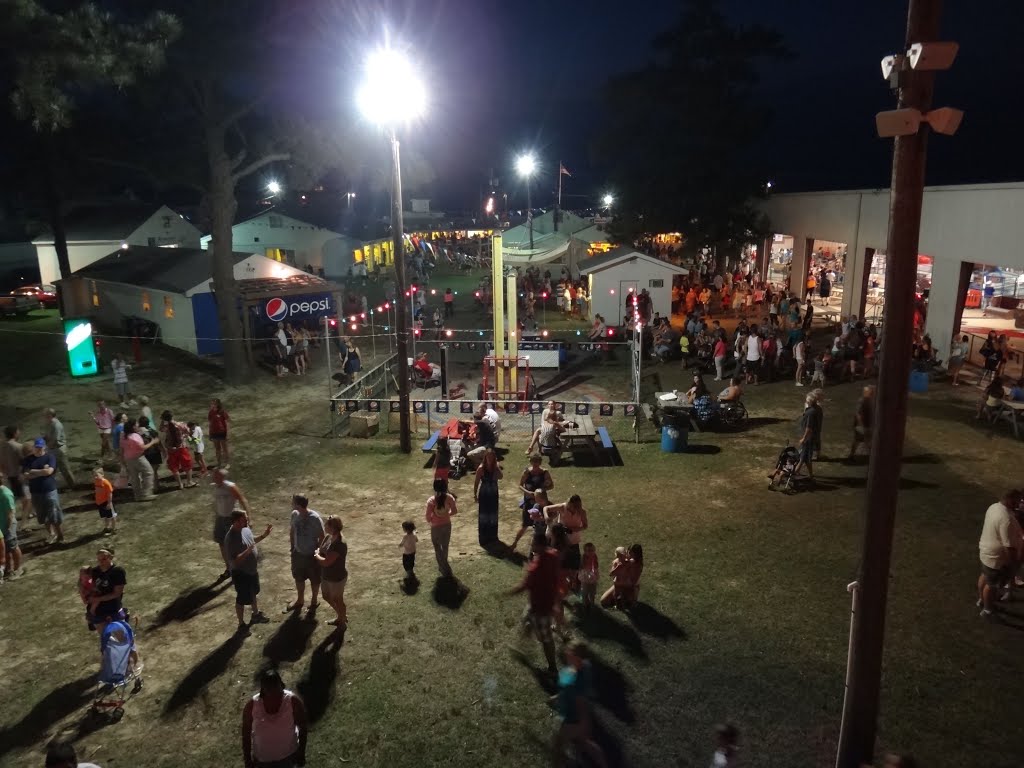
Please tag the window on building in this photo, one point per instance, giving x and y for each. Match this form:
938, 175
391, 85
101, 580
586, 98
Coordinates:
95, 293
146, 306
256, 239
168, 306
655, 283
275, 222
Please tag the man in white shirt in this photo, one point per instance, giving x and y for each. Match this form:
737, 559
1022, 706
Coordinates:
997, 549
488, 414
753, 356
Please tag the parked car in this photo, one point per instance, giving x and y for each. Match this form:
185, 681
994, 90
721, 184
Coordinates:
17, 305
45, 294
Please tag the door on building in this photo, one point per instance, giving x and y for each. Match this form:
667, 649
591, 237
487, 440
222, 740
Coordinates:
625, 288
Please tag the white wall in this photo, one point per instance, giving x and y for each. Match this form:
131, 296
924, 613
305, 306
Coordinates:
611, 306
167, 228
80, 254
972, 223
254, 267
117, 301
256, 235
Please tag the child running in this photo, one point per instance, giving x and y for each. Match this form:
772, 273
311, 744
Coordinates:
408, 547
104, 494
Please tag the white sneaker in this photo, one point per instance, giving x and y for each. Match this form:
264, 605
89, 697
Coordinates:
1005, 597
985, 613
800, 384
979, 603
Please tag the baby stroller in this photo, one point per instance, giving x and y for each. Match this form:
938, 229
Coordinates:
120, 667
784, 477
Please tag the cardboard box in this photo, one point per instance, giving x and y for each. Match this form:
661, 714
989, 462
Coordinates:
363, 424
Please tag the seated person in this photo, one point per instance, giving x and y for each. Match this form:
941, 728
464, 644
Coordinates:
1017, 391
731, 393
550, 414
488, 414
425, 368
550, 440
665, 341
485, 438
699, 389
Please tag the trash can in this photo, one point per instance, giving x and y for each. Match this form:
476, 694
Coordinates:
669, 440
918, 381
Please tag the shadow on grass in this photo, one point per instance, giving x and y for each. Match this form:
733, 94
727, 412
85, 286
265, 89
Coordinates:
649, 621
824, 483
762, 421
598, 624
40, 547
52, 708
189, 604
701, 449
544, 681
503, 551
204, 673
449, 592
317, 686
611, 689
409, 586
290, 640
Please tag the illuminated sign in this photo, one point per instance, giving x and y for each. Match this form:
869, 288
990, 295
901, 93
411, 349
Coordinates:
81, 350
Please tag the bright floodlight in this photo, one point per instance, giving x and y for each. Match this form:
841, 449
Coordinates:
608, 200
526, 165
392, 91
274, 188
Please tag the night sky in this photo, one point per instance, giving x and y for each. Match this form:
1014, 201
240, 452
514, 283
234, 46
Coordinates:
528, 74
507, 76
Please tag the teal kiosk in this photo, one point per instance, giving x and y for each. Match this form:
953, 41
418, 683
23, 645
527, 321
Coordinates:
80, 346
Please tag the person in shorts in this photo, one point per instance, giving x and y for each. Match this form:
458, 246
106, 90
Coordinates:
227, 497
809, 427
305, 532
541, 583
997, 550
12, 453
243, 557
39, 471
9, 532
103, 492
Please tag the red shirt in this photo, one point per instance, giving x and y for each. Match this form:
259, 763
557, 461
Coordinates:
719, 348
218, 422
542, 581
424, 366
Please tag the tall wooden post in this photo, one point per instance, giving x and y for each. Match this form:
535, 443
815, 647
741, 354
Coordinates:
498, 303
867, 636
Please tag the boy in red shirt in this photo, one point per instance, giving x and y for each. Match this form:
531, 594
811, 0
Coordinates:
541, 582
104, 494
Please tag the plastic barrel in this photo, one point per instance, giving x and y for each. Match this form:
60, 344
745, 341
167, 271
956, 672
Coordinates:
918, 381
669, 440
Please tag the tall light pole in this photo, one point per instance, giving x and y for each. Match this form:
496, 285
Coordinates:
348, 197
526, 166
392, 93
608, 199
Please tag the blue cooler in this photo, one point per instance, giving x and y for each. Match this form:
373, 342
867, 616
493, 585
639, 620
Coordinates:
670, 440
918, 381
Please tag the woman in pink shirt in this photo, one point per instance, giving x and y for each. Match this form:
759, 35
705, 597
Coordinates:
719, 355
441, 508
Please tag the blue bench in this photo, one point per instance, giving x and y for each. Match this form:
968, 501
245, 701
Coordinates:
431, 442
605, 438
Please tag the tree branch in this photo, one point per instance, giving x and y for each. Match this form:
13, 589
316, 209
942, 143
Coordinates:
255, 165
242, 111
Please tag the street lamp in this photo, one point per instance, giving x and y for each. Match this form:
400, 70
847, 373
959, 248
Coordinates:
608, 199
526, 166
391, 93
348, 197
274, 188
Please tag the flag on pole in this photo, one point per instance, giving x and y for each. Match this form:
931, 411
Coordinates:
562, 171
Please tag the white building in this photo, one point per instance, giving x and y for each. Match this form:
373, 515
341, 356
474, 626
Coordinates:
612, 276
94, 232
569, 244
961, 226
294, 238
171, 288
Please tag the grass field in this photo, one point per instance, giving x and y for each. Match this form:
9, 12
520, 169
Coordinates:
744, 616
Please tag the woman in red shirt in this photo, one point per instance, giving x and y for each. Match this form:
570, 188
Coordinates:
218, 432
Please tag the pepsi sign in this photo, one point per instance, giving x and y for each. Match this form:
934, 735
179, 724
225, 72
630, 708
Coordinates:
298, 307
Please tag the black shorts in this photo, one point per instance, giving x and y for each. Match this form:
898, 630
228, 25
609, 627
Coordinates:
247, 587
217, 436
409, 561
305, 568
571, 559
106, 510
995, 577
807, 452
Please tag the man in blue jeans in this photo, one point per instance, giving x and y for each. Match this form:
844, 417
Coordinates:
38, 470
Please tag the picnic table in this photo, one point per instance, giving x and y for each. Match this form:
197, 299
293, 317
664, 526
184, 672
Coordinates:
1013, 412
676, 407
584, 434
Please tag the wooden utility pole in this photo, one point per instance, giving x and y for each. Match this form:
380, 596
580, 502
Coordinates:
867, 635
402, 323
